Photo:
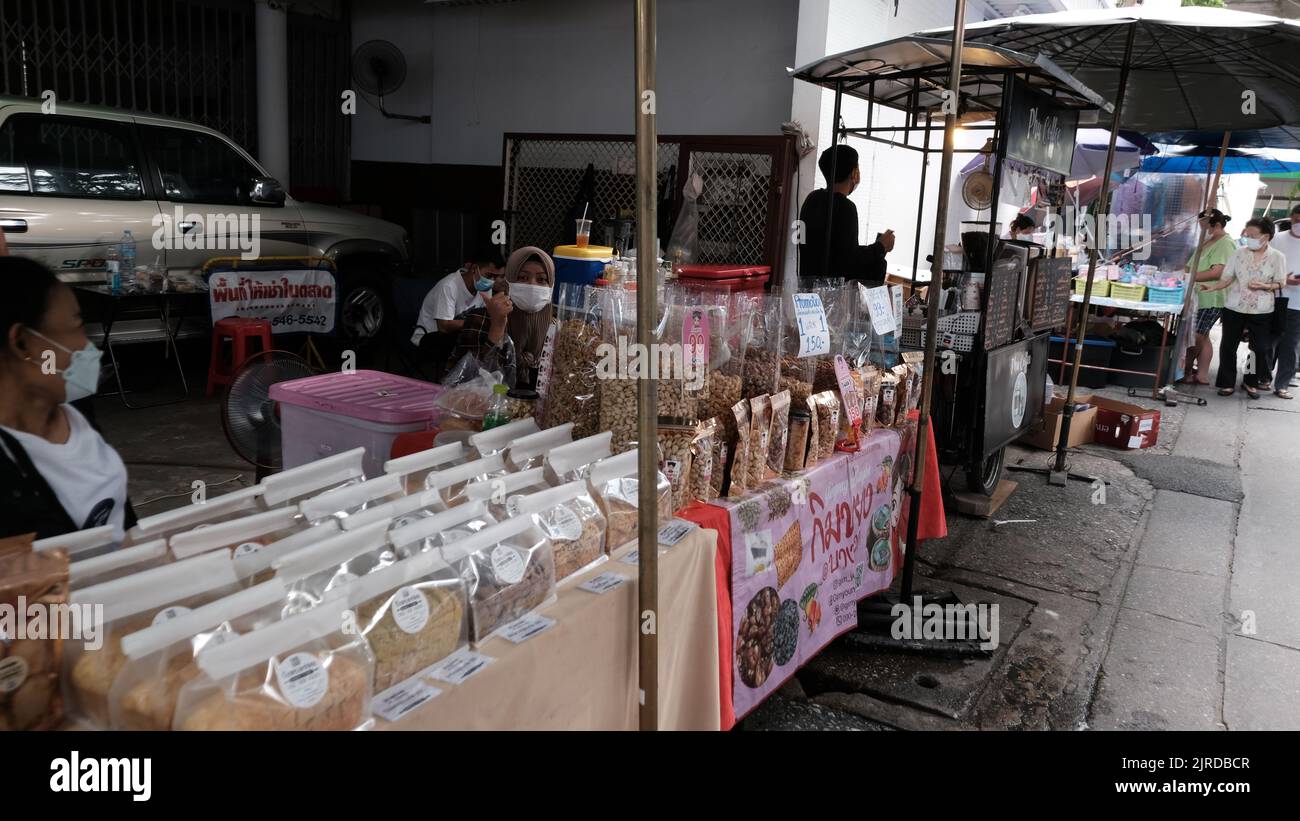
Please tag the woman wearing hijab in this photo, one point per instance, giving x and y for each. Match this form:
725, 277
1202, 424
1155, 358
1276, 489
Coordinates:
511, 328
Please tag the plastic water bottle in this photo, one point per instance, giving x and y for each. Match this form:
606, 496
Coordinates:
113, 269
128, 258
498, 412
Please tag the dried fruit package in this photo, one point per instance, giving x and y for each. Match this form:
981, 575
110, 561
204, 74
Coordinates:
530, 451
30, 665
310, 573
737, 472
119, 563
167, 524
253, 564
496, 493
760, 433
161, 659
450, 483
495, 440
778, 435
418, 535
573, 392
245, 535
412, 613
296, 484
302, 673
415, 468
616, 489
570, 519
348, 501
509, 570
129, 604
568, 463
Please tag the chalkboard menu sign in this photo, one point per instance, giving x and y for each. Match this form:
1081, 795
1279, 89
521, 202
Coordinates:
1039, 132
1002, 308
1052, 286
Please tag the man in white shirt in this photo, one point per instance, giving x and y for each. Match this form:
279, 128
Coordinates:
456, 293
1288, 343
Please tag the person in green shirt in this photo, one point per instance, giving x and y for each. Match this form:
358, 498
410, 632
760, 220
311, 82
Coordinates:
1216, 250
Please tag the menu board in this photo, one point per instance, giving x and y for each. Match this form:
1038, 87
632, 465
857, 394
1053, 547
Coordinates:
1053, 284
1001, 310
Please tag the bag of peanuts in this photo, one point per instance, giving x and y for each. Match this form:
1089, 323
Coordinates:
418, 535
119, 563
414, 468
450, 483
243, 535
129, 604
871, 381
571, 520
778, 435
495, 440
29, 664
703, 465
725, 385
306, 672
497, 493
160, 659
904, 394
567, 462
887, 407
675, 448
828, 422
813, 454
763, 341
530, 451
253, 564
573, 392
618, 389
167, 524
738, 469
680, 390
509, 571
616, 489
310, 573
296, 484
760, 434
81, 544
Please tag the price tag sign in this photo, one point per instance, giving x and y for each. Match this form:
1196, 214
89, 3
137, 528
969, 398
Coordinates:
896, 295
880, 305
849, 391
676, 530
633, 558
546, 363
401, 699
524, 628
814, 333
459, 666
603, 583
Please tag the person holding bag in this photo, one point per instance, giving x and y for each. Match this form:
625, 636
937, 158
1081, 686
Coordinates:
1253, 277
1287, 319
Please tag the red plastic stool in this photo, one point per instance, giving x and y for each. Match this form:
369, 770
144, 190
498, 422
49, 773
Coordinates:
237, 331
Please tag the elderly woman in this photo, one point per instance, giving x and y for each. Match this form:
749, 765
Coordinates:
510, 329
1253, 276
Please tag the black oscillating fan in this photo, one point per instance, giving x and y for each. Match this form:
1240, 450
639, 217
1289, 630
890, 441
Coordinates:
250, 417
379, 68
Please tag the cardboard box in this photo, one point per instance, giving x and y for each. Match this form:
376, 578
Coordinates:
1124, 426
1048, 431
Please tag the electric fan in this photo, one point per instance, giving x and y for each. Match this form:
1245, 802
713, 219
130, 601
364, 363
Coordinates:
250, 418
379, 68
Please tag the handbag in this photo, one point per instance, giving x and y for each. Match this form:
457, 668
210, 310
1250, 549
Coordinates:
1277, 325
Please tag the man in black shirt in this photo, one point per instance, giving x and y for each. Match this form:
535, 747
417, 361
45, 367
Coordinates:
848, 259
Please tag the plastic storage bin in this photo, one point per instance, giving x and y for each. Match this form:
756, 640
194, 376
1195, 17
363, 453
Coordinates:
1098, 352
1164, 295
1133, 293
729, 278
1100, 287
334, 412
581, 265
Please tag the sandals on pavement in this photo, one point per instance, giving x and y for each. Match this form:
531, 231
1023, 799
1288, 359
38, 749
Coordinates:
1283, 393
1226, 391
1253, 393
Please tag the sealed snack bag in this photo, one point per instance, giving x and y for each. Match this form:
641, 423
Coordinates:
343, 502
530, 451
738, 470
81, 544
296, 484
495, 440
814, 453
167, 524
675, 445
424, 534
509, 570
496, 493
29, 665
760, 433
247, 533
119, 563
310, 573
778, 435
450, 483
703, 461
303, 673
828, 422
616, 489
571, 520
573, 391
253, 561
566, 462
415, 468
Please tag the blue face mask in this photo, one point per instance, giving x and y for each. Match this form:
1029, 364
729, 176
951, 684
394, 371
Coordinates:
483, 284
81, 377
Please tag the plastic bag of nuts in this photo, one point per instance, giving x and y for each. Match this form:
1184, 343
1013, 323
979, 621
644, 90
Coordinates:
29, 667
496, 493
573, 392
509, 570
762, 333
675, 446
779, 434
703, 465
530, 451
568, 462
828, 422
738, 470
572, 521
760, 434
615, 488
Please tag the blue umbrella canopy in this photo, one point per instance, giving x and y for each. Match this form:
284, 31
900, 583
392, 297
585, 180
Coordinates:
1205, 162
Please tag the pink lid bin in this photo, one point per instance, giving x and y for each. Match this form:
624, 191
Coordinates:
335, 412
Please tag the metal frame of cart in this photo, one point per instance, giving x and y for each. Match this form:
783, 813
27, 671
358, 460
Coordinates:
1171, 319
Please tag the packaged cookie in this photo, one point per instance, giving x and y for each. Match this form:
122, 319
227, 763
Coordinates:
760, 433
778, 435
569, 517
495, 493
675, 446
119, 563
247, 533
253, 561
703, 461
129, 604
305, 672
450, 483
530, 451
738, 470
310, 573
616, 489
29, 666
295, 484
567, 463
415, 468
81, 544
160, 659
509, 571
167, 524
495, 440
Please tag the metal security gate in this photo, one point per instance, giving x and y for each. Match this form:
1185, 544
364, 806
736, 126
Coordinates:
320, 137
746, 189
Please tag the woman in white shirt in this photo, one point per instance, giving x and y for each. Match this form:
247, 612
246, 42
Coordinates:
57, 474
1253, 276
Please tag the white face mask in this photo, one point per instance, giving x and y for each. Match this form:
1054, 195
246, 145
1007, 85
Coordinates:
1295, 228
1254, 243
530, 298
81, 377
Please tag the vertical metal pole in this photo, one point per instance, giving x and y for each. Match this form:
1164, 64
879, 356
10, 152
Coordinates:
830, 185
647, 619
920, 205
1103, 209
1211, 194
932, 300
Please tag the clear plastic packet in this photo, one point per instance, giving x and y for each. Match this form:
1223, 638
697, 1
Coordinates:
763, 341
796, 450
119, 563
573, 523
350, 500
760, 434
310, 573
400, 511
904, 395
129, 604
530, 451
450, 483
305, 672
509, 571
496, 440
160, 659
413, 614
168, 523
728, 341
253, 563
618, 388
30, 665
616, 489
778, 434
871, 382
828, 422
887, 407
463, 406
295, 484
573, 393
420, 535
415, 468
496, 493
244, 534
567, 462
80, 544
858, 336
738, 470
681, 376
797, 373
814, 454
675, 462
703, 466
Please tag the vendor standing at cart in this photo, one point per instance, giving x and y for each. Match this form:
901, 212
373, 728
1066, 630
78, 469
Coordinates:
847, 258
1217, 249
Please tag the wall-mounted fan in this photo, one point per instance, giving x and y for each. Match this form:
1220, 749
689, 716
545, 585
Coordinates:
379, 68
250, 417
977, 188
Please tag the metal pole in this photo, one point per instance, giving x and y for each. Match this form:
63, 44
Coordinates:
932, 301
1103, 208
647, 620
920, 207
830, 184
1211, 194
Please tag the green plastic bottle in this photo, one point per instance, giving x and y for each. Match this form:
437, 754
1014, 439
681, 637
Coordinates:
498, 412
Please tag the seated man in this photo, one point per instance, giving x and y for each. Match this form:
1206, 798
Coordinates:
439, 323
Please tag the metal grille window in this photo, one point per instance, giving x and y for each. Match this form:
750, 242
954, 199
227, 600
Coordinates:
733, 206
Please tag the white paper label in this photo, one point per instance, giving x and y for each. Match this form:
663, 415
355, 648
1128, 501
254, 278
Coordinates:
603, 583
814, 333
459, 666
169, 613
676, 530
303, 679
410, 610
401, 699
507, 564
13, 672
561, 523
1135, 441
524, 628
633, 558
673, 469
896, 301
1146, 424
880, 305
758, 552
247, 549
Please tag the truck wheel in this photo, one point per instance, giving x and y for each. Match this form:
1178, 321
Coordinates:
363, 310
984, 478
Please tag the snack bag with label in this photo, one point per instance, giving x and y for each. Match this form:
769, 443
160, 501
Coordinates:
119, 563
616, 489
168, 523
344, 502
312, 572
253, 561
530, 451
419, 535
244, 534
30, 664
160, 659
568, 463
495, 440
415, 468
450, 483
574, 524
306, 672
498, 494
509, 571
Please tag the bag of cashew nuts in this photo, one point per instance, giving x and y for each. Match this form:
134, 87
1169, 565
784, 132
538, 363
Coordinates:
30, 665
571, 520
573, 392
763, 342
309, 671
509, 571
119, 563
497, 493
420, 535
615, 488
618, 388
568, 462
530, 451
415, 468
675, 449
132, 603
160, 659
310, 573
